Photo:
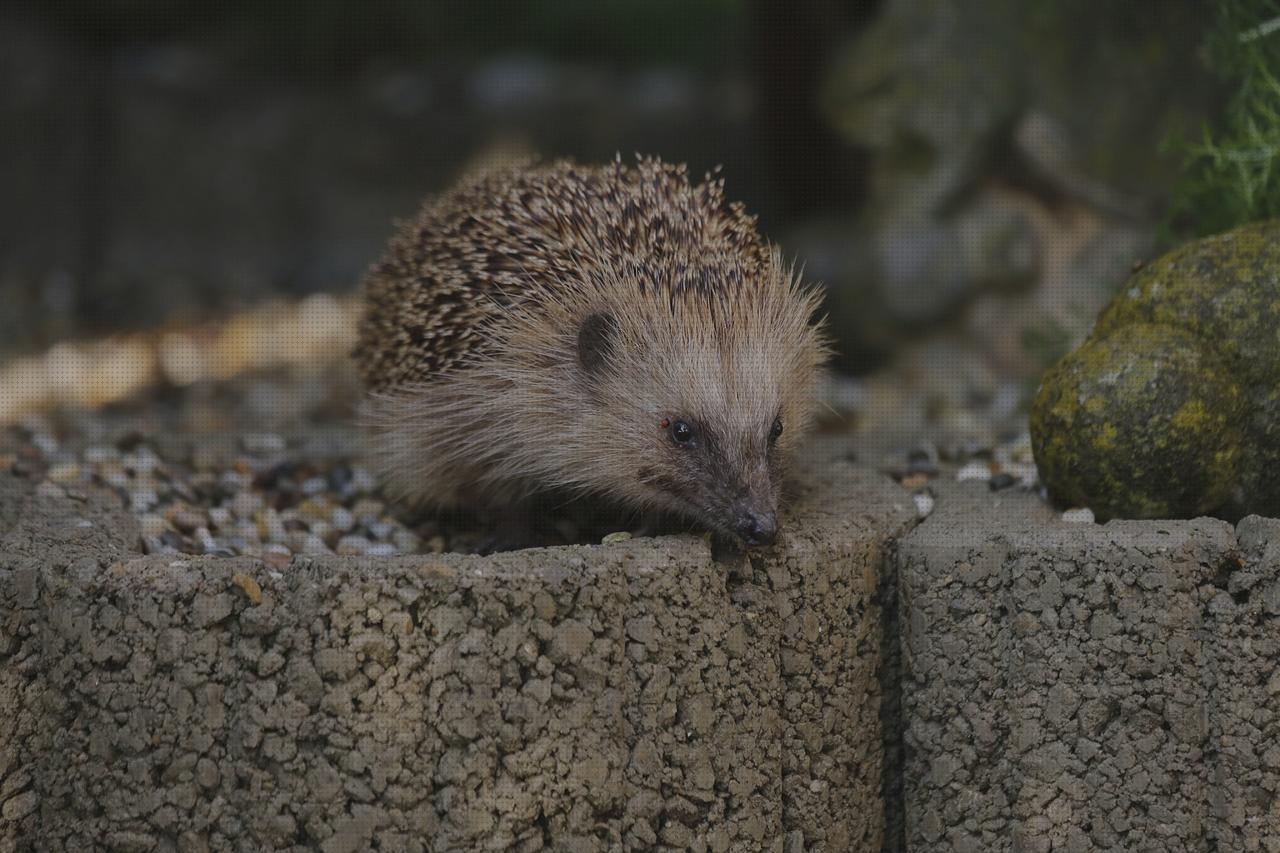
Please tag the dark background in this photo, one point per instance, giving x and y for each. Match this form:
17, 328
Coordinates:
971, 179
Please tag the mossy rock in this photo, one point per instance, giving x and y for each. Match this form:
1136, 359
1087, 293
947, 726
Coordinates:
1170, 409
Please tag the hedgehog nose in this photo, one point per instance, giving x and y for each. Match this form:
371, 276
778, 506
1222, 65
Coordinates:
758, 528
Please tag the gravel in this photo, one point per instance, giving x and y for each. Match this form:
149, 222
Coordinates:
267, 465
264, 466
296, 488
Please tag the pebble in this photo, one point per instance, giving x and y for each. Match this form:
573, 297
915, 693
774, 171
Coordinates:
1003, 480
353, 546
186, 519
205, 540
47, 444
114, 475
249, 586
50, 490
270, 527
915, 480
382, 530
1078, 516
314, 485
152, 525
262, 443
143, 501
924, 503
342, 519
408, 541
314, 545
100, 453
277, 556
142, 460
362, 481
324, 530
153, 545
314, 509
246, 504
173, 539
974, 471
619, 536
1026, 473
381, 549
367, 509
64, 472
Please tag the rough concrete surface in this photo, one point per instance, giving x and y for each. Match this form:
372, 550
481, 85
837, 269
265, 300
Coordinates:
635, 696
1088, 687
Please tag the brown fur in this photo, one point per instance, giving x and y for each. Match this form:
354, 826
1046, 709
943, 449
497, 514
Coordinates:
470, 346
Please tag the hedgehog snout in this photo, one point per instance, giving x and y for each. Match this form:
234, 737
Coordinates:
757, 527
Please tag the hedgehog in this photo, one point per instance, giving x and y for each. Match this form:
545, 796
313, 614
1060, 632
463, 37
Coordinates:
616, 331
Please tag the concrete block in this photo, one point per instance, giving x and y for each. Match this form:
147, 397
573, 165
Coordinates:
1244, 685
1082, 687
635, 696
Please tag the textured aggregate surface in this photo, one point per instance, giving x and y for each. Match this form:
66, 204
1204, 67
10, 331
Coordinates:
1081, 687
636, 695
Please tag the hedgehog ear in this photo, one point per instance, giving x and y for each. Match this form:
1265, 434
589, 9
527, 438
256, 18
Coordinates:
596, 339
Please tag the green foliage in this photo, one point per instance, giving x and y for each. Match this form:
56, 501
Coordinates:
1231, 175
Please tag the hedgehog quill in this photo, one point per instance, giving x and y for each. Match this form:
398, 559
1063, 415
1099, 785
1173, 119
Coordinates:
617, 331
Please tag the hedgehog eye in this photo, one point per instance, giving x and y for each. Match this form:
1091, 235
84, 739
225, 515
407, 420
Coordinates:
775, 430
681, 432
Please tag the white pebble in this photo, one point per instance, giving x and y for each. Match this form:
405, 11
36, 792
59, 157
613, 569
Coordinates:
381, 530
99, 453
381, 549
1078, 516
144, 501
974, 471
48, 444
233, 481
220, 517
924, 503
1026, 473
343, 519
142, 461
314, 485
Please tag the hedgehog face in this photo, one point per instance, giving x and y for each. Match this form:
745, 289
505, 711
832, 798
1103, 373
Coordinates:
698, 424
727, 480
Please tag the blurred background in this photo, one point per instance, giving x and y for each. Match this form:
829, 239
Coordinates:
193, 189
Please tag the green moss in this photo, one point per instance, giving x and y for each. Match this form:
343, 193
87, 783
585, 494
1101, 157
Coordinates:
1172, 407
1223, 289
1141, 424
